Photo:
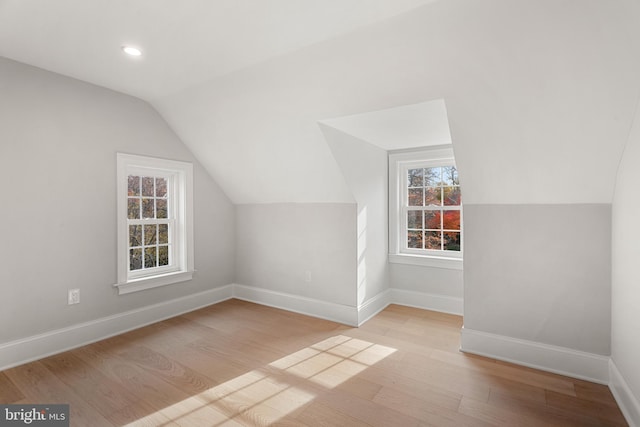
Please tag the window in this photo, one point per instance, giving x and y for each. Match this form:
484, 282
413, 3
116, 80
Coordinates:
425, 208
431, 209
150, 218
155, 226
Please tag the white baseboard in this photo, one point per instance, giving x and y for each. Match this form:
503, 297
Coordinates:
345, 314
373, 306
46, 344
628, 403
559, 360
441, 303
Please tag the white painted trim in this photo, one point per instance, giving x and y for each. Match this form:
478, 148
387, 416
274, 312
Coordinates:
180, 174
153, 282
373, 306
628, 403
42, 345
441, 303
345, 314
46, 344
348, 315
436, 155
427, 261
559, 360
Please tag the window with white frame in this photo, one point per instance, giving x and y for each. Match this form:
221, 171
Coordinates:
155, 222
425, 208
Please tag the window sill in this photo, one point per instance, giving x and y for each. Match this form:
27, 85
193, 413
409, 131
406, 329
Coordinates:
153, 282
427, 261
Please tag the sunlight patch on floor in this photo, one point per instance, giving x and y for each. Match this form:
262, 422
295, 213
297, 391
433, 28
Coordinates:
263, 396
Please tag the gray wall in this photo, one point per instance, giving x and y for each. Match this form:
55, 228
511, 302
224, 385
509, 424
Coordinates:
277, 243
540, 273
428, 280
58, 144
625, 328
364, 167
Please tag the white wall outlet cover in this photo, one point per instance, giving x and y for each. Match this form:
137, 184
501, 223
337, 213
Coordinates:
73, 296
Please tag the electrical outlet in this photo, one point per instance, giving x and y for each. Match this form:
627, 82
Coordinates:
74, 296
307, 276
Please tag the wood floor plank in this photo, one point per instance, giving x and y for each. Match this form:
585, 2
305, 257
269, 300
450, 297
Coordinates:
500, 416
430, 377
536, 379
429, 411
41, 386
241, 364
194, 411
343, 381
140, 415
170, 402
9, 393
506, 390
594, 393
366, 410
179, 375
319, 415
398, 345
525, 414
532, 409
99, 391
414, 406
607, 413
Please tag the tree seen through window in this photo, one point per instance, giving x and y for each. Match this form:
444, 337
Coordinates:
433, 208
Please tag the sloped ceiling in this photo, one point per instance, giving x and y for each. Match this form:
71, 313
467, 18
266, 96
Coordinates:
540, 94
185, 42
407, 126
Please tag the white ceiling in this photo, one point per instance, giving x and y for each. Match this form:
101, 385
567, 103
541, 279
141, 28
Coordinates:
185, 42
407, 126
539, 91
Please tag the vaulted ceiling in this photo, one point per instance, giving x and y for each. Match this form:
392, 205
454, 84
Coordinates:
540, 94
185, 42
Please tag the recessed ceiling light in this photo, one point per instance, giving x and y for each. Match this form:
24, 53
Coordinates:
130, 50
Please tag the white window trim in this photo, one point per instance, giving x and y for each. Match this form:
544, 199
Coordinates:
183, 198
399, 161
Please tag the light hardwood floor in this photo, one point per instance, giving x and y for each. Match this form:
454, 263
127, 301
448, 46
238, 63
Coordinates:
237, 363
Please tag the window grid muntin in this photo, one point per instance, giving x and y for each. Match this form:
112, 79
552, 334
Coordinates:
425, 183
157, 245
441, 230
169, 221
